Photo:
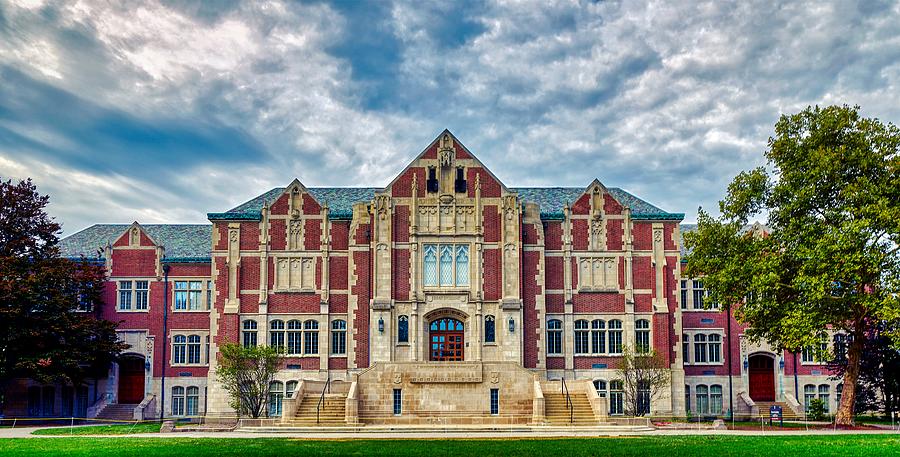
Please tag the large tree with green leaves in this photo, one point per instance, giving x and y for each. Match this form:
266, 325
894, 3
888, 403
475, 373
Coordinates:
44, 332
246, 373
830, 194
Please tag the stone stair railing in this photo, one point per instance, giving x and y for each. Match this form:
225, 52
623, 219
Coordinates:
538, 411
146, 410
751, 405
94, 410
793, 404
289, 405
598, 403
351, 405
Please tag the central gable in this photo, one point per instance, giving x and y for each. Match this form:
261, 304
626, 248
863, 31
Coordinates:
446, 167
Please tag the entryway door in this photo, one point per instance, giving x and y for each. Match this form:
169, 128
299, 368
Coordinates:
447, 340
131, 380
762, 377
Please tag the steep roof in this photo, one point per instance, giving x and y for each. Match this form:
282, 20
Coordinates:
340, 202
182, 242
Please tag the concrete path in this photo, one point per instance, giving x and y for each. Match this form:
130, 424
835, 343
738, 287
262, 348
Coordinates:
25, 432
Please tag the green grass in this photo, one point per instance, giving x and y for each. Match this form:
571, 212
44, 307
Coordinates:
667, 446
122, 429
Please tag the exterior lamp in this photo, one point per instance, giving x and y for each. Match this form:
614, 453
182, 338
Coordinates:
512, 325
781, 364
746, 364
380, 325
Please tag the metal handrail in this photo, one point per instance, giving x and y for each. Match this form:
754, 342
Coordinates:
322, 397
563, 388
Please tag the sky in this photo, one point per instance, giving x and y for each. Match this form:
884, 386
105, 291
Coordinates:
162, 111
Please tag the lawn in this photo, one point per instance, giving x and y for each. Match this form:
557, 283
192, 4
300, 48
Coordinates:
668, 446
123, 429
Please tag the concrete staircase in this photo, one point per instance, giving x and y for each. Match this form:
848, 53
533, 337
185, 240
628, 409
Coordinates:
331, 411
117, 412
786, 410
558, 413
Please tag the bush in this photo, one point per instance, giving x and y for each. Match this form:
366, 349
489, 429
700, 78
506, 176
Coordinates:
816, 410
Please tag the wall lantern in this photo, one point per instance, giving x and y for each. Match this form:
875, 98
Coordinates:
147, 364
781, 364
746, 364
380, 325
512, 325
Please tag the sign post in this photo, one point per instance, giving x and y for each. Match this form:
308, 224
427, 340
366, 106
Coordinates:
776, 415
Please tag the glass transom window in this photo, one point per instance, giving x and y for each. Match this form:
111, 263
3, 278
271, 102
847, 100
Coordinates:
446, 265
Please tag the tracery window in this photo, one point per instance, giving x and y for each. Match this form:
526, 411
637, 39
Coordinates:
446, 265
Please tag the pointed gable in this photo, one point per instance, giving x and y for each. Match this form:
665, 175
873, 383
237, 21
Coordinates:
442, 160
134, 236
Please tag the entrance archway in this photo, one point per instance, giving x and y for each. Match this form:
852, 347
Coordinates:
131, 379
447, 339
762, 377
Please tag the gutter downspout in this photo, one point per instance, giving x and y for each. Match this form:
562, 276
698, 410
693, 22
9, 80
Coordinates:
730, 368
796, 381
162, 393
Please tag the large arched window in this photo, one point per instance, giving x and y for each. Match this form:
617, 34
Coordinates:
598, 336
702, 399
490, 331
403, 329
462, 265
249, 333
178, 401
276, 334
339, 337
615, 336
824, 390
193, 346
179, 349
616, 397
554, 337
310, 337
446, 263
276, 397
192, 401
642, 336
294, 340
431, 268
581, 337
700, 348
715, 400
600, 387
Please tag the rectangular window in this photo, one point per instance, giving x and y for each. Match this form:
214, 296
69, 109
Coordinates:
188, 295
495, 402
181, 295
194, 349
445, 265
209, 294
398, 402
141, 294
615, 337
699, 294
598, 273
125, 295
684, 294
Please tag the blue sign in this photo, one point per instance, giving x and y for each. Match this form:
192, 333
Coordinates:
598, 365
775, 414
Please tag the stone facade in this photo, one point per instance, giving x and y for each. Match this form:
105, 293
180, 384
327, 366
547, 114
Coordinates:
445, 282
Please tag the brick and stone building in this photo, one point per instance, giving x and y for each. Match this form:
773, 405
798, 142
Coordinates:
443, 294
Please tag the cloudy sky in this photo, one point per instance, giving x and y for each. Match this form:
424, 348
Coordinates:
163, 111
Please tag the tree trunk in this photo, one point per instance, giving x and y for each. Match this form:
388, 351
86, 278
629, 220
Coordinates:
851, 376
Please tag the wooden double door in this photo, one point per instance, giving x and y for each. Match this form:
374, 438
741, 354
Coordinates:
447, 340
762, 377
131, 380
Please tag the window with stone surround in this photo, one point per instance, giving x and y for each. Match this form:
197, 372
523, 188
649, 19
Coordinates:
339, 337
403, 329
178, 401
598, 336
615, 336
310, 337
133, 295
642, 336
598, 274
276, 334
189, 296
707, 347
554, 337
490, 329
187, 350
294, 274
445, 265
249, 333
581, 337
294, 337
695, 297
818, 354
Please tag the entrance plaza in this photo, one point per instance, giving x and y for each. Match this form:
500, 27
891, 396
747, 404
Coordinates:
443, 298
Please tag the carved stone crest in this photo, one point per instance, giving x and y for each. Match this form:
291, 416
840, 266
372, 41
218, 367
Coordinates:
495, 377
398, 378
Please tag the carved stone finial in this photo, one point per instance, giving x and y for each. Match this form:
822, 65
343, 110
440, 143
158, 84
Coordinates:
415, 181
477, 181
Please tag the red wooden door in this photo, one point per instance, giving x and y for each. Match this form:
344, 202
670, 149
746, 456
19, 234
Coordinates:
762, 378
447, 340
131, 380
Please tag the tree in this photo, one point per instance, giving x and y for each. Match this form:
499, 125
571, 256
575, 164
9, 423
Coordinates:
829, 257
246, 373
645, 376
42, 334
879, 372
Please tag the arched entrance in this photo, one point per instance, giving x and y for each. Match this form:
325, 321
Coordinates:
762, 377
131, 379
447, 338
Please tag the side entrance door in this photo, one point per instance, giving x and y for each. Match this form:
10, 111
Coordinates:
762, 378
131, 380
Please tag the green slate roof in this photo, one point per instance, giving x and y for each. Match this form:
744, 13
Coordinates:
340, 202
182, 242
